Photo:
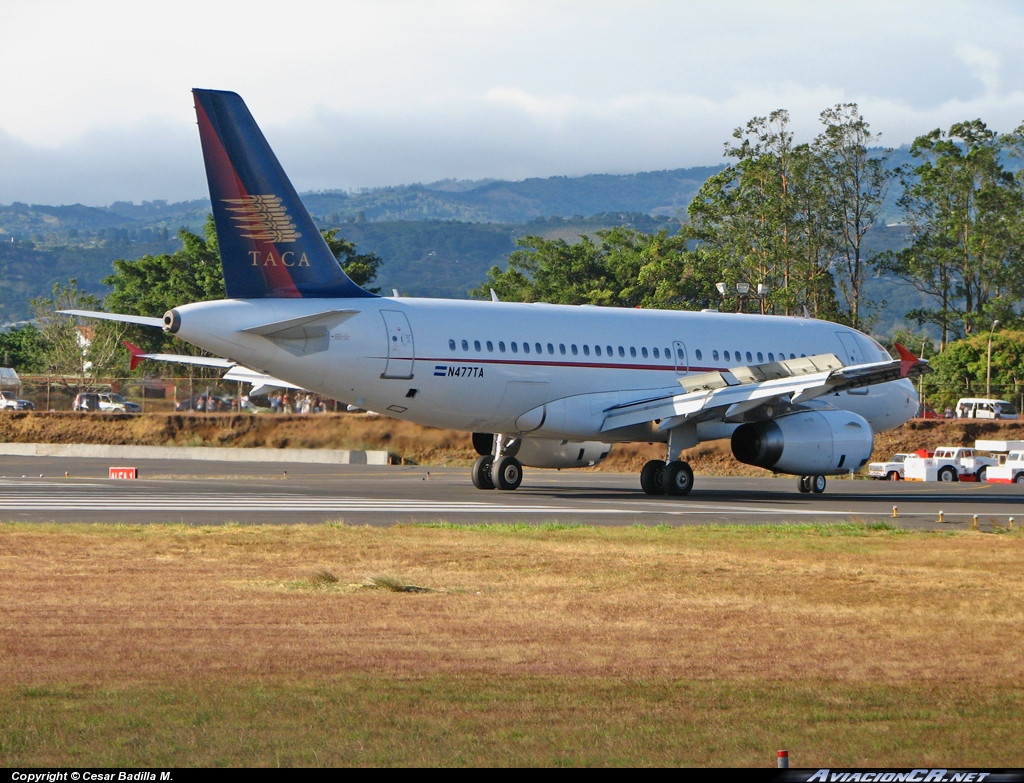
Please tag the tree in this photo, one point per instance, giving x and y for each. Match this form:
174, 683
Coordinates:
966, 214
72, 351
618, 267
23, 349
361, 268
961, 369
854, 183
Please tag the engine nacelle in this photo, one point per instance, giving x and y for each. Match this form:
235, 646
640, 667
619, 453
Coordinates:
808, 443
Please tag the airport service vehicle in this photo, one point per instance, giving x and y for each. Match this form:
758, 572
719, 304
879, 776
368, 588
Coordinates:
980, 408
891, 470
950, 463
537, 384
10, 402
1010, 471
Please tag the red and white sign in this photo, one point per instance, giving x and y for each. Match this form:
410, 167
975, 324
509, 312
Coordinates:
124, 473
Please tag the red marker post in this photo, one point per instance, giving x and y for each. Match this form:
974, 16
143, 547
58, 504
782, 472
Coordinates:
783, 759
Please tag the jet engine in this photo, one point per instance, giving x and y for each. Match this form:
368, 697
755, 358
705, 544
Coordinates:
547, 452
807, 443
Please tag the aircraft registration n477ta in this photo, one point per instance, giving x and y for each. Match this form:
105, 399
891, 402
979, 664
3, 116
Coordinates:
550, 386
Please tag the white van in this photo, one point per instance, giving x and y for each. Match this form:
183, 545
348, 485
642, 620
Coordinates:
981, 408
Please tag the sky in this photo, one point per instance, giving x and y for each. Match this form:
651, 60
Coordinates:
96, 107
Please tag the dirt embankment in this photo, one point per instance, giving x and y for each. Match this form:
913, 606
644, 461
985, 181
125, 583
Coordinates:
411, 443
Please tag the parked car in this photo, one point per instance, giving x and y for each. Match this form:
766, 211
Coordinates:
115, 403
87, 402
9, 402
981, 408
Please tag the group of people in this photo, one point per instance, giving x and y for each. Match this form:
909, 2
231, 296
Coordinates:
303, 402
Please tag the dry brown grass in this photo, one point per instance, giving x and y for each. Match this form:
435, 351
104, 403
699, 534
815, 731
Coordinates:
590, 645
411, 442
120, 604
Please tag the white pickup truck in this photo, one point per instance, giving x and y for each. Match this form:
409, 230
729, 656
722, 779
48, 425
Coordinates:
949, 463
891, 470
1009, 472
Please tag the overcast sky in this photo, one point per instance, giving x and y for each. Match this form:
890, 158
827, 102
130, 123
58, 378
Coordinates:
96, 105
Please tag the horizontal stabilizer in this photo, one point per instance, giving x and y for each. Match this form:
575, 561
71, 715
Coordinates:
143, 320
304, 335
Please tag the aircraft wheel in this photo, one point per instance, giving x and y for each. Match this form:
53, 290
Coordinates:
817, 484
947, 474
482, 472
651, 477
804, 484
677, 478
507, 473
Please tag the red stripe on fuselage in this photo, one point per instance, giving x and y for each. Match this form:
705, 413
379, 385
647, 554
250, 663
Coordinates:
268, 261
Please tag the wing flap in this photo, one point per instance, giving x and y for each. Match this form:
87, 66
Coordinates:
727, 396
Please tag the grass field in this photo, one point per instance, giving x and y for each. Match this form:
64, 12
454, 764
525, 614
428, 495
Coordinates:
509, 645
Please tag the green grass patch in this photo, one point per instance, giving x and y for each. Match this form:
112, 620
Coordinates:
368, 720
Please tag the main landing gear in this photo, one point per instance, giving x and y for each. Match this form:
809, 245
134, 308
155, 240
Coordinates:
494, 471
661, 478
815, 484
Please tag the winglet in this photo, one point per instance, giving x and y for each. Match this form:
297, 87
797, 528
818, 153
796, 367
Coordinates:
907, 360
137, 355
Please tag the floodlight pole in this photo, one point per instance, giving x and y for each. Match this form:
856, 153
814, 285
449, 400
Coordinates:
988, 362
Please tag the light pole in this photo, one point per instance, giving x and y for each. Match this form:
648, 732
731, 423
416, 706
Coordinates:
988, 362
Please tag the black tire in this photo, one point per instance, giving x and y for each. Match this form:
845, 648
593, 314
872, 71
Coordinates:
651, 477
894, 476
981, 474
507, 473
1019, 478
947, 474
677, 478
804, 484
482, 472
818, 484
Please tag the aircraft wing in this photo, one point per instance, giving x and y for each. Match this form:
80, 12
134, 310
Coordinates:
729, 396
261, 382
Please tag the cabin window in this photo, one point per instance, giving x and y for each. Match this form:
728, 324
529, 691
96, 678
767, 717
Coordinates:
586, 350
501, 346
610, 351
597, 350
632, 351
575, 350
551, 348
451, 345
656, 354
490, 347
699, 357
727, 356
622, 351
643, 352
538, 347
465, 345
680, 354
771, 356
476, 345
561, 348
749, 357
515, 348
526, 347
714, 355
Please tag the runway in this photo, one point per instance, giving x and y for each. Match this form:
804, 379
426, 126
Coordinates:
36, 489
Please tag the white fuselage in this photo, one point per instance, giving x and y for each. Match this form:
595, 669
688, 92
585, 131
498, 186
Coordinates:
480, 366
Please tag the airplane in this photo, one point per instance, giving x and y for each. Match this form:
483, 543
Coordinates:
537, 385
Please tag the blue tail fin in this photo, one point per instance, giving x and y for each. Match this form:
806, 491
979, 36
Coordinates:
269, 245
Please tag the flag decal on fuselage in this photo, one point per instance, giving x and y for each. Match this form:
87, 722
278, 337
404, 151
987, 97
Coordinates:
262, 218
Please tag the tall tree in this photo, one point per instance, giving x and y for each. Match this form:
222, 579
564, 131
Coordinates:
966, 213
854, 182
76, 352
